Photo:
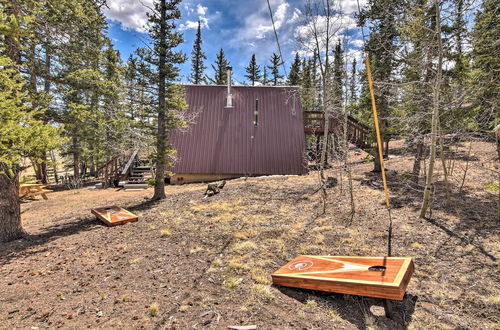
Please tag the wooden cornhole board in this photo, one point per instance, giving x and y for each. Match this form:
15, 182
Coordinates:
114, 215
360, 276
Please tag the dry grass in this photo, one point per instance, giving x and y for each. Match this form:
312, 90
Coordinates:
165, 232
154, 309
247, 233
263, 291
246, 246
260, 276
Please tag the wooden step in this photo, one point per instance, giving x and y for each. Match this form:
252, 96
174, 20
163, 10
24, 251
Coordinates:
135, 179
130, 186
142, 168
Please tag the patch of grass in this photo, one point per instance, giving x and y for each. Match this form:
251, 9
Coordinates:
494, 186
323, 228
494, 300
334, 315
311, 303
217, 211
260, 276
217, 262
319, 239
416, 245
278, 245
263, 291
165, 232
311, 249
236, 264
232, 282
240, 235
136, 260
246, 246
346, 240
154, 309
195, 250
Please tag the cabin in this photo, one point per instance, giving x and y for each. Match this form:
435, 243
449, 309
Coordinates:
239, 131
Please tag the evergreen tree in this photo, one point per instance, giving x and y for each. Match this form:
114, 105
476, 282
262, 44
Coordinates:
353, 83
220, 69
275, 70
308, 90
21, 133
418, 73
265, 77
198, 67
485, 77
381, 16
294, 75
169, 98
338, 76
253, 71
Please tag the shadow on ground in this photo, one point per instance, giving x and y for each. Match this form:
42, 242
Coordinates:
358, 310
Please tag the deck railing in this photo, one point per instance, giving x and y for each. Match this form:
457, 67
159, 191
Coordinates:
357, 133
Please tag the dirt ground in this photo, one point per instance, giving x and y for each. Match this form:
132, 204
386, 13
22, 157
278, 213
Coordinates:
198, 263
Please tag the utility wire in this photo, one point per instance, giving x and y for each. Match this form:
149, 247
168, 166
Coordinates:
277, 40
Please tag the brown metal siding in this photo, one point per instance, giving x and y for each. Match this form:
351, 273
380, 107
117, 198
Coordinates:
221, 140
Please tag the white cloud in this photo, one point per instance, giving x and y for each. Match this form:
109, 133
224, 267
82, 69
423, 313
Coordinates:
130, 13
296, 16
201, 10
350, 7
189, 24
357, 43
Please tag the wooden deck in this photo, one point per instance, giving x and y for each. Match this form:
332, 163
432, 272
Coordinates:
357, 133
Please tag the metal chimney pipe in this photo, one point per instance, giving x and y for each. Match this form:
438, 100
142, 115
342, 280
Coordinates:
229, 103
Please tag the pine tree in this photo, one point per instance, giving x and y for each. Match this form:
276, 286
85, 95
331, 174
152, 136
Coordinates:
338, 76
308, 90
486, 64
353, 83
164, 57
253, 71
198, 67
381, 16
21, 133
220, 69
275, 70
294, 75
265, 77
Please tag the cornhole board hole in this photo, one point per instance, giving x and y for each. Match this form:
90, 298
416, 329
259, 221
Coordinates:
378, 277
114, 215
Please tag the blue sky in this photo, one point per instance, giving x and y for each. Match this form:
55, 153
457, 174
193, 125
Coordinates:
240, 27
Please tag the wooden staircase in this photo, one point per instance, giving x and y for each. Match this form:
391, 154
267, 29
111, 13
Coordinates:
357, 133
127, 170
139, 174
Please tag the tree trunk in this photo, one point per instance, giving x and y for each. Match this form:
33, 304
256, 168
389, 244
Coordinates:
10, 211
54, 166
161, 138
417, 162
377, 168
435, 116
76, 157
